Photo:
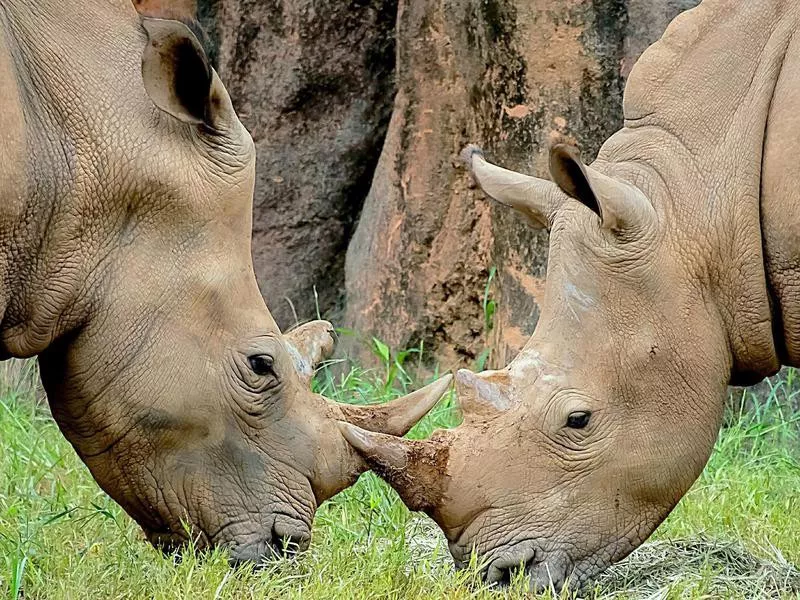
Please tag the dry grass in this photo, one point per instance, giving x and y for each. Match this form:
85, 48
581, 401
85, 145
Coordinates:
723, 569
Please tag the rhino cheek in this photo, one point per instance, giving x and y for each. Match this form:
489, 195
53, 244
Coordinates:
257, 497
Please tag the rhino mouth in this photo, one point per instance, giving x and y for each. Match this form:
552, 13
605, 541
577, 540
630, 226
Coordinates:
170, 542
506, 563
286, 536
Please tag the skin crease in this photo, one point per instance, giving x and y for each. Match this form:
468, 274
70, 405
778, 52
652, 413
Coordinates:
661, 290
126, 185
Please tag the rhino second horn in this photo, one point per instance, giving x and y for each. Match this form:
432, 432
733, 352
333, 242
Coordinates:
537, 199
479, 396
399, 416
416, 469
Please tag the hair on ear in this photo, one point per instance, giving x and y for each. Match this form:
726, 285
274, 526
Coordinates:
176, 71
192, 79
568, 172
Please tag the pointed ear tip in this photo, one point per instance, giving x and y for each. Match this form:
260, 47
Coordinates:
469, 152
561, 150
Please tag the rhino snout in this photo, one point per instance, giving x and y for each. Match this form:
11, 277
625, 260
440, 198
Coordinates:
544, 571
287, 537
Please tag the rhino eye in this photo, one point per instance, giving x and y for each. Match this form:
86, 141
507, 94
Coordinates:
578, 420
261, 364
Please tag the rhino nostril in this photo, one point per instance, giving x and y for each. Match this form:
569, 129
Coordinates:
500, 577
290, 545
286, 537
289, 536
513, 563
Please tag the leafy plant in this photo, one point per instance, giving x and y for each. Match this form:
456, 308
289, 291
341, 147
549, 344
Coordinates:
489, 304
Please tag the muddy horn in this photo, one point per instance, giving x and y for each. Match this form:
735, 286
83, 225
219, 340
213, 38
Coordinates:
395, 418
416, 469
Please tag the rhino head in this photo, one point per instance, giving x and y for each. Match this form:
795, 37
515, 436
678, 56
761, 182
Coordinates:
571, 456
133, 282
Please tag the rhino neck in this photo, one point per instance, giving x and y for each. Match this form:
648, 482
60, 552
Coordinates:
695, 120
55, 223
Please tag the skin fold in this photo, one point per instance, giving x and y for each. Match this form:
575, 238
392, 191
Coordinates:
672, 273
126, 185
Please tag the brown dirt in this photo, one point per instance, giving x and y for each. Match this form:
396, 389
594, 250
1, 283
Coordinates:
422, 484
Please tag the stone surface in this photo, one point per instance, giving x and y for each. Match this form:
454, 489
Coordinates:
313, 82
511, 76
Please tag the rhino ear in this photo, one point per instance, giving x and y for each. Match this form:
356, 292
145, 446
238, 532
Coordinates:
619, 205
536, 199
177, 74
309, 345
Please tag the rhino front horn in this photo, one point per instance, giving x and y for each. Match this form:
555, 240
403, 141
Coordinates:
399, 416
416, 469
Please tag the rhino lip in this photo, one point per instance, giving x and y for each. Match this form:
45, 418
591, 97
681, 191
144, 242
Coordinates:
501, 564
508, 559
169, 542
285, 536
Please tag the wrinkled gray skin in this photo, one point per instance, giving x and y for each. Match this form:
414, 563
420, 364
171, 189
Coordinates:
674, 269
126, 187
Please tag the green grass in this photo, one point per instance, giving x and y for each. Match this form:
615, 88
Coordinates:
60, 537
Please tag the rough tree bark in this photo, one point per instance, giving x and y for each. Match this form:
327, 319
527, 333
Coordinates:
511, 75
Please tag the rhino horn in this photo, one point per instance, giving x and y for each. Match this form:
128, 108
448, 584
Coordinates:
537, 199
399, 416
340, 461
416, 469
619, 205
482, 395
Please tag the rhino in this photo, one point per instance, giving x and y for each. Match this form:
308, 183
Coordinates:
674, 270
126, 186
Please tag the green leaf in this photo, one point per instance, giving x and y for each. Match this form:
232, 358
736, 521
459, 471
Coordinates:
483, 357
381, 350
